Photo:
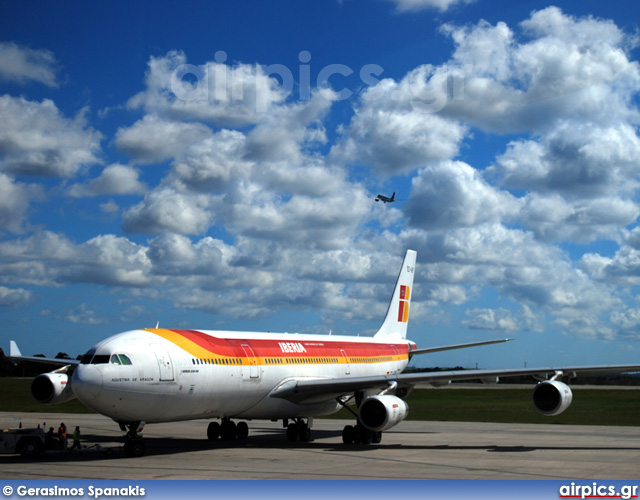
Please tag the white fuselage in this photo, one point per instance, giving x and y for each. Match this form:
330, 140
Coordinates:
158, 375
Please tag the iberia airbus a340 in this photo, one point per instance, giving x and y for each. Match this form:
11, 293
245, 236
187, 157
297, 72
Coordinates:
165, 375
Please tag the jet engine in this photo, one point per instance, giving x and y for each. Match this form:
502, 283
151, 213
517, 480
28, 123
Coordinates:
552, 397
379, 413
52, 388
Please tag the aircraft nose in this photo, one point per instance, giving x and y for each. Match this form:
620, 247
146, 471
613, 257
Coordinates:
87, 383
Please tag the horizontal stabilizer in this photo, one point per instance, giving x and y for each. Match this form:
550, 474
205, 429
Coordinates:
15, 355
428, 350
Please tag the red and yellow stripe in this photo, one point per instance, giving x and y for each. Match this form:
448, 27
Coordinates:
218, 350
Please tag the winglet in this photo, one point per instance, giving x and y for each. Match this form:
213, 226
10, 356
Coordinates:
397, 318
14, 352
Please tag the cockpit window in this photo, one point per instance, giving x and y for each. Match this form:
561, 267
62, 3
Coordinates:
86, 359
120, 359
100, 359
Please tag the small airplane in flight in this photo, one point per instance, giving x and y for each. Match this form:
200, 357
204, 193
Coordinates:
166, 375
386, 199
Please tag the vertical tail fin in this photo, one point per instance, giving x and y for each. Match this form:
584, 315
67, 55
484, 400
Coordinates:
397, 318
13, 350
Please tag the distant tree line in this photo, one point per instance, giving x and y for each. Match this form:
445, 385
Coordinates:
615, 379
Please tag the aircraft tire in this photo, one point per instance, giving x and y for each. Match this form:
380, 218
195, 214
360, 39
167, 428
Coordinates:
348, 434
362, 435
292, 432
242, 431
377, 437
304, 433
135, 448
213, 431
228, 430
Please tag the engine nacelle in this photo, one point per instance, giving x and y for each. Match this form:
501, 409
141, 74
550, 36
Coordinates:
552, 397
52, 388
379, 413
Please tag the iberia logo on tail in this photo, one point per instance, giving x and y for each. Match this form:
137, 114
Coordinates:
403, 308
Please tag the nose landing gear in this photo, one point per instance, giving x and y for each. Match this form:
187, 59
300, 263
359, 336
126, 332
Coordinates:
133, 444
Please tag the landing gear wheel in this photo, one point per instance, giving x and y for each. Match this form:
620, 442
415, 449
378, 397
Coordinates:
299, 431
213, 431
364, 434
304, 433
292, 432
133, 445
348, 434
135, 448
228, 430
242, 430
377, 437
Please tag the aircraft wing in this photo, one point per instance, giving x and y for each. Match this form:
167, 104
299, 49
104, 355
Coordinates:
16, 355
307, 391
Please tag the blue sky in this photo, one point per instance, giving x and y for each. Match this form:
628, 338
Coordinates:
214, 166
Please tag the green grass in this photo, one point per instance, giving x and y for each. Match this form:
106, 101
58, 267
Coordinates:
590, 406
15, 395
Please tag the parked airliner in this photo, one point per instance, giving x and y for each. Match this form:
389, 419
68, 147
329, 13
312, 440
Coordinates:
164, 375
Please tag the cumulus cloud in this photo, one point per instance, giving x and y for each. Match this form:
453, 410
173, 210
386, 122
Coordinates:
249, 200
568, 68
397, 128
21, 64
581, 178
322, 223
622, 269
51, 259
154, 139
14, 297
454, 194
84, 314
114, 179
417, 5
236, 95
36, 139
166, 209
15, 198
576, 159
491, 319
210, 164
526, 271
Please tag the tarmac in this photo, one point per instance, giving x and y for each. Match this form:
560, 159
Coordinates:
411, 450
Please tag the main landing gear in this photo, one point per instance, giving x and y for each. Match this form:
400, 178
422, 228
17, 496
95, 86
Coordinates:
133, 444
299, 430
227, 430
358, 434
